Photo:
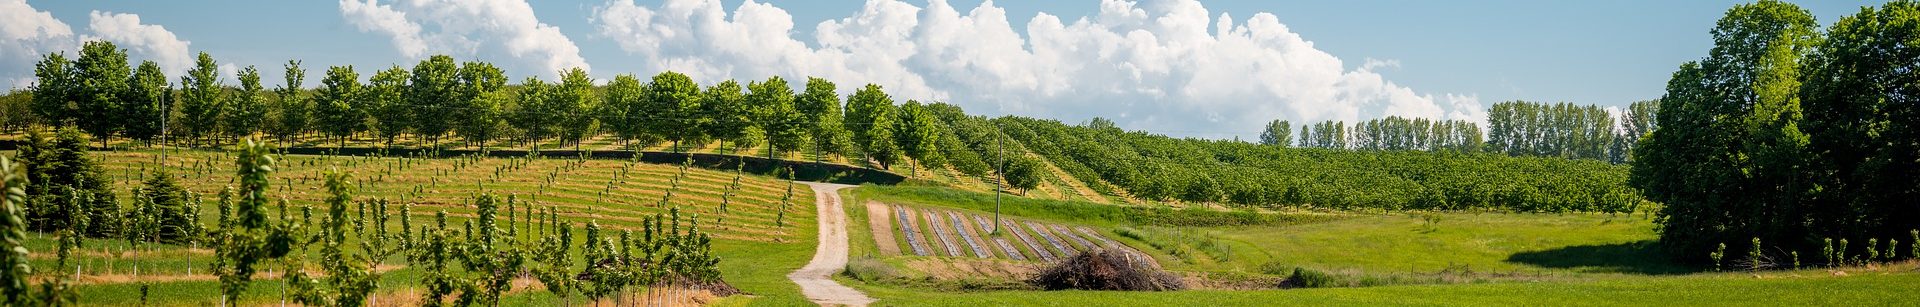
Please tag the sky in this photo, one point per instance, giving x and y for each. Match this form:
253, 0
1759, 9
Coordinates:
1212, 69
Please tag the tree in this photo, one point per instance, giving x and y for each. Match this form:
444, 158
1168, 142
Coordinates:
531, 115
72, 185
572, 100
731, 118
295, 109
1278, 133
392, 109
870, 116
1023, 173
102, 78
819, 107
146, 102
177, 221
248, 109
1861, 121
336, 102
349, 278
16, 110
201, 97
919, 136
431, 96
772, 101
480, 99
13, 234
1727, 169
625, 107
672, 108
55, 88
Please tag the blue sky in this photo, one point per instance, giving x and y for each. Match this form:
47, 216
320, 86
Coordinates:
1439, 59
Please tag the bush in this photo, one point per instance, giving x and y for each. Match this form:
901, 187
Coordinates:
1309, 278
870, 269
1106, 269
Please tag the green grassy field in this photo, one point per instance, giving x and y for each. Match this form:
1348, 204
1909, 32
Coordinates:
1456, 258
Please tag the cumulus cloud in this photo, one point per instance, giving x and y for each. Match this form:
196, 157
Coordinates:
502, 31
25, 34
1152, 65
142, 41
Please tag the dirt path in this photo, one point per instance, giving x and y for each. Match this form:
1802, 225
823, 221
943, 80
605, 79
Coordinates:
879, 221
830, 257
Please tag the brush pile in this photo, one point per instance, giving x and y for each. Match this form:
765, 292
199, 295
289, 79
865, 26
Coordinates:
1106, 269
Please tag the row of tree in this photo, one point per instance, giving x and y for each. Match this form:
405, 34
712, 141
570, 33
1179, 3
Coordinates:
1786, 134
1156, 167
1517, 128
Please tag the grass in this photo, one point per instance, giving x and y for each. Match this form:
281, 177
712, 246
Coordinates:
1484, 242
1805, 288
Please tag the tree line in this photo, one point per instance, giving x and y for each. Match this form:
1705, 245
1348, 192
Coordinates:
1790, 135
1515, 128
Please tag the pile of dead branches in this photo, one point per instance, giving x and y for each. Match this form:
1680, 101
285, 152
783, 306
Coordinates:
1106, 269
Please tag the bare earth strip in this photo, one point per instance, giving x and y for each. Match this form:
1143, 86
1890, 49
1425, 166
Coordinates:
987, 227
910, 229
940, 232
830, 257
882, 230
973, 242
1024, 239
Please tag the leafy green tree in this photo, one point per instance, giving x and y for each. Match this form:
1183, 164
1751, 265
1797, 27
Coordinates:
871, 116
918, 134
532, 115
772, 101
13, 234
55, 89
625, 107
572, 100
247, 112
481, 99
819, 107
349, 278
295, 108
1024, 173
673, 108
392, 110
71, 183
431, 97
1278, 133
201, 98
1863, 125
491, 258
1740, 101
16, 111
336, 102
102, 74
732, 119
146, 102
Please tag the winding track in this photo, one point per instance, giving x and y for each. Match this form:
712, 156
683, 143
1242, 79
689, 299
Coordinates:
830, 256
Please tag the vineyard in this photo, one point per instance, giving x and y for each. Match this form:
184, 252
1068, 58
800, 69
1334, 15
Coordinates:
755, 219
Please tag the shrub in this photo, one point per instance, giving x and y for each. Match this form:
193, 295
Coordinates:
870, 269
1915, 253
1753, 256
1309, 278
1841, 252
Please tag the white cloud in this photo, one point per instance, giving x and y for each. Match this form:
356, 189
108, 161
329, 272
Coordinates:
502, 31
27, 33
1149, 65
142, 41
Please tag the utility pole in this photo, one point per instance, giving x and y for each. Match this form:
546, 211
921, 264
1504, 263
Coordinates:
999, 174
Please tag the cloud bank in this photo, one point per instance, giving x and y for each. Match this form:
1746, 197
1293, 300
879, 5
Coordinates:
27, 33
1151, 65
502, 31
